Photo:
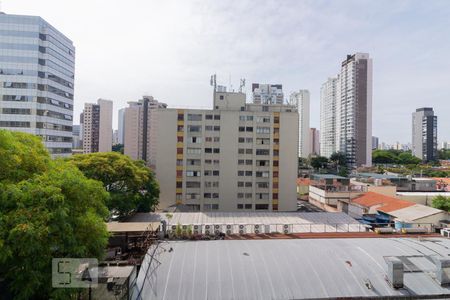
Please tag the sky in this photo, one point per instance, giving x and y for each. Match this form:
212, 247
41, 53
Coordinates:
169, 49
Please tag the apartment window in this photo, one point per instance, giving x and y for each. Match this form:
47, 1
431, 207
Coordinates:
248, 206
179, 162
180, 128
265, 108
248, 173
208, 128
193, 173
264, 174
241, 118
275, 173
261, 206
240, 195
178, 196
240, 184
215, 173
179, 173
240, 206
241, 140
209, 207
275, 185
241, 161
208, 161
215, 195
17, 111
208, 117
249, 162
179, 184
194, 128
262, 151
248, 184
262, 163
276, 152
241, 151
262, 185
249, 140
262, 141
180, 117
264, 119
241, 128
192, 184
276, 130
248, 195
275, 163
241, 173
194, 117
179, 139
248, 151
276, 120
249, 129
194, 150
208, 172
263, 130
208, 150
207, 195
216, 150
249, 118
216, 117
196, 140
221, 97
276, 141
193, 196
208, 139
262, 196
179, 150
216, 161
216, 139
275, 196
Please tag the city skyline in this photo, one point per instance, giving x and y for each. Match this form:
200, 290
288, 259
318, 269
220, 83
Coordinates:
300, 53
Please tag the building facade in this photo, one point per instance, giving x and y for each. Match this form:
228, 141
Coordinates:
301, 101
37, 64
97, 126
236, 157
329, 95
137, 116
355, 110
424, 134
77, 142
314, 141
267, 93
121, 126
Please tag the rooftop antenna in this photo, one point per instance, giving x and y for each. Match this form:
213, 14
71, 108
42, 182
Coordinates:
241, 85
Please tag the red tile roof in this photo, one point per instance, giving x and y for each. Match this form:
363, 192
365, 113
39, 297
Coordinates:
303, 181
387, 204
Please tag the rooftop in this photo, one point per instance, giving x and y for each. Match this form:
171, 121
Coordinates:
290, 269
303, 181
378, 176
326, 176
414, 212
387, 204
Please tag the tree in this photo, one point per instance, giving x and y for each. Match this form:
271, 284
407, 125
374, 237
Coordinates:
118, 148
303, 163
441, 202
406, 158
319, 162
131, 185
383, 157
51, 210
338, 158
444, 154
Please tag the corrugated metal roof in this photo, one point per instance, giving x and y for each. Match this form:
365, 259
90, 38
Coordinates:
415, 212
288, 269
131, 226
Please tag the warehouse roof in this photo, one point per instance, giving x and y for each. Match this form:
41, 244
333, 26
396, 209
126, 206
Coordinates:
379, 176
384, 203
326, 176
415, 212
289, 269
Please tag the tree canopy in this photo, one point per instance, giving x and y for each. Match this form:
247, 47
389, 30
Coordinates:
339, 158
394, 157
319, 162
441, 202
132, 186
48, 209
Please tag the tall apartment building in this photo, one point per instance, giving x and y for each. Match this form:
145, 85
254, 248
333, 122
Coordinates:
37, 64
267, 93
121, 126
354, 110
314, 141
375, 142
97, 126
424, 134
329, 95
235, 157
301, 101
136, 127
77, 142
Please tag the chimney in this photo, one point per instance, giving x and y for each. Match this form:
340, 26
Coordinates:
442, 270
395, 272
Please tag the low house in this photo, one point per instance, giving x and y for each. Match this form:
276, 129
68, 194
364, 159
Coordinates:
303, 187
418, 215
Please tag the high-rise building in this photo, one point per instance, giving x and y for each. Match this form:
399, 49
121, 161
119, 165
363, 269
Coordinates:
267, 93
301, 101
424, 134
121, 127
77, 142
115, 137
137, 116
97, 126
375, 142
329, 95
314, 141
355, 110
37, 64
235, 157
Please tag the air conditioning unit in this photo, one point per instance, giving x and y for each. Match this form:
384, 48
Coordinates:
197, 229
208, 229
242, 229
217, 229
229, 227
184, 227
257, 229
287, 229
229, 232
174, 227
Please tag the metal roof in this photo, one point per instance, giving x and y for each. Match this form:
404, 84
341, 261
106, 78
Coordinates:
289, 269
327, 176
117, 227
447, 194
379, 176
415, 212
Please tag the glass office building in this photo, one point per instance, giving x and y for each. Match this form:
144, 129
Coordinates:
37, 64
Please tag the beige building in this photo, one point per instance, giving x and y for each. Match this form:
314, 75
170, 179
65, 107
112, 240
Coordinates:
235, 157
136, 127
97, 126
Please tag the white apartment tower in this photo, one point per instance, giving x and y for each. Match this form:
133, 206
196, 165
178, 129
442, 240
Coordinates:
97, 126
301, 101
329, 95
354, 110
121, 122
267, 93
136, 127
235, 157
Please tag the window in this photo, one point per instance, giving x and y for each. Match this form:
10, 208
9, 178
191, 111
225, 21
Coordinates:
192, 184
208, 128
180, 128
249, 118
193, 173
249, 140
249, 129
208, 117
207, 195
216, 150
221, 97
248, 151
193, 196
264, 174
216, 139
264, 119
262, 196
262, 141
262, 129
276, 141
208, 139
216, 117
275, 163
275, 196
196, 140
275, 185
179, 150
241, 128
275, 173
215, 173
248, 195
179, 139
179, 184
194, 151
261, 206
265, 108
262, 151
249, 162
240, 206
262, 185
248, 184
241, 118
248, 173
208, 172
276, 120
179, 173
241, 161
194, 117
241, 140
179, 196
240, 184
240, 195
215, 195
248, 206
262, 163
216, 161
208, 161
194, 128
276, 152
241, 173
179, 162
208, 150
241, 151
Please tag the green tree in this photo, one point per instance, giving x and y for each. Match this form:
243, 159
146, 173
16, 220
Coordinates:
444, 154
319, 162
49, 210
338, 158
441, 202
131, 185
383, 157
118, 148
406, 158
